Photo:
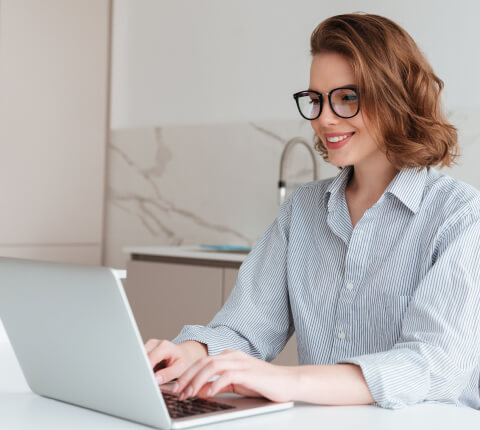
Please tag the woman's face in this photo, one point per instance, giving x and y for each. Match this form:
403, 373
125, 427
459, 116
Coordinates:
329, 71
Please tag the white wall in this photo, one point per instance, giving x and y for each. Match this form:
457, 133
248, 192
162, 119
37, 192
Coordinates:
212, 61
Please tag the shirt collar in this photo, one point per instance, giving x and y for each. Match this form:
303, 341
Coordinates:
407, 186
336, 189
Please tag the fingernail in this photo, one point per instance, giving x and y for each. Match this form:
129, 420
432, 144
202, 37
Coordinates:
159, 378
209, 392
175, 388
189, 391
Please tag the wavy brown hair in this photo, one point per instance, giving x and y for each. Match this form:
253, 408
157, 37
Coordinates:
397, 89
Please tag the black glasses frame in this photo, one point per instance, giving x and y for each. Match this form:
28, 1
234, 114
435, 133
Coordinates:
296, 96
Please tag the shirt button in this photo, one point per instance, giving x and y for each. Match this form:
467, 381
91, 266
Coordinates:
341, 335
350, 286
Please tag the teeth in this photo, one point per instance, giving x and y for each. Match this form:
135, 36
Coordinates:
337, 138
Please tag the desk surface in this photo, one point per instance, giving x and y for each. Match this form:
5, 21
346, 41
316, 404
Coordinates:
20, 409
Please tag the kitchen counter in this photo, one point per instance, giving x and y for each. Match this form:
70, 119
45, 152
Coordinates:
187, 254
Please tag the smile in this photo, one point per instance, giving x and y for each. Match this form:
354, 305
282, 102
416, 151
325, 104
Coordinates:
336, 139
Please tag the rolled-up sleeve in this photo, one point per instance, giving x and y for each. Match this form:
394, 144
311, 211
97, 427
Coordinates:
439, 347
256, 318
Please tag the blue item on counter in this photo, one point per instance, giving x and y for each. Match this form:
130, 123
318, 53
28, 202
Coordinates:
227, 247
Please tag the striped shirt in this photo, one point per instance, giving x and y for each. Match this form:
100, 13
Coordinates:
398, 295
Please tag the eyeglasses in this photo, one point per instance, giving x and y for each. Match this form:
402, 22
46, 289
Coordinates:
343, 102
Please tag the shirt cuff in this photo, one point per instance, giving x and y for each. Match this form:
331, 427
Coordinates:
217, 339
396, 378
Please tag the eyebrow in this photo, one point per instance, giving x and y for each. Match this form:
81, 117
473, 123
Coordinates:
343, 86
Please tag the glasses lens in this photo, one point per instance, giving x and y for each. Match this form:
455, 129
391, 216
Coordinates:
344, 102
309, 104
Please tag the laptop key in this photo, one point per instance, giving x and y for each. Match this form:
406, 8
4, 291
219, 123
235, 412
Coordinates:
193, 406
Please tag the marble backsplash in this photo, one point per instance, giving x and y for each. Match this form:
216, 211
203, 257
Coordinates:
217, 184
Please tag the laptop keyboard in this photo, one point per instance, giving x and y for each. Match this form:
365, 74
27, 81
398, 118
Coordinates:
193, 406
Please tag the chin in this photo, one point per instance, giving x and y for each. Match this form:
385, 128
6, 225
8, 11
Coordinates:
339, 161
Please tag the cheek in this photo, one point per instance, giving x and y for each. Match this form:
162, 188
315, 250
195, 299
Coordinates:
359, 122
363, 124
368, 139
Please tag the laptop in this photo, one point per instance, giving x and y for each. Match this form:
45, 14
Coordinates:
76, 340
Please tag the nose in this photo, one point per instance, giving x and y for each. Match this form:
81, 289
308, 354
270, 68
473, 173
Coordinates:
327, 116
326, 119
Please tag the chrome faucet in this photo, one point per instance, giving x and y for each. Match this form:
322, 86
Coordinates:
282, 185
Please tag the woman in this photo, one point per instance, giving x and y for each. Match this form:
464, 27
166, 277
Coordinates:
377, 270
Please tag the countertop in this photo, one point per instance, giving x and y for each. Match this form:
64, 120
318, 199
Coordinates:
187, 252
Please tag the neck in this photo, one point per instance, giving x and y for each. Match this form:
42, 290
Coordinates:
370, 181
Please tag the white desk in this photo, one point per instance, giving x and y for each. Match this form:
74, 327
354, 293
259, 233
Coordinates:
20, 409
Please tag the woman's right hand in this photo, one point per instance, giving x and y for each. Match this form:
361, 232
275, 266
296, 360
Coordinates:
170, 360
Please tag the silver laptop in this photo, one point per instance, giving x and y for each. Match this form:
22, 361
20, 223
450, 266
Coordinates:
76, 340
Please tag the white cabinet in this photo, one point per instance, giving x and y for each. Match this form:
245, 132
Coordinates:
166, 296
53, 128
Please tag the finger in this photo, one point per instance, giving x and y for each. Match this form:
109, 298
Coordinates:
159, 366
173, 371
213, 368
226, 382
163, 351
208, 390
185, 379
151, 344
203, 376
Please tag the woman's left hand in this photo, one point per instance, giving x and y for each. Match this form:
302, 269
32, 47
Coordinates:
237, 373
